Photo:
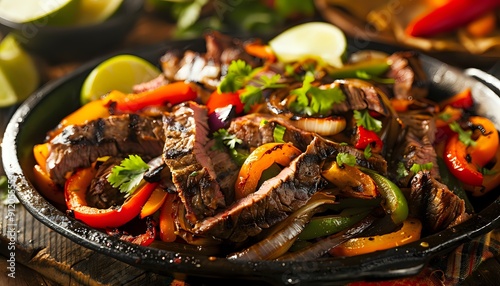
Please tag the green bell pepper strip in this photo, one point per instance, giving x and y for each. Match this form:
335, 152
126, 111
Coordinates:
327, 225
373, 67
393, 200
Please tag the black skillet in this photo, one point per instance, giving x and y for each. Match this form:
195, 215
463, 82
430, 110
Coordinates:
45, 108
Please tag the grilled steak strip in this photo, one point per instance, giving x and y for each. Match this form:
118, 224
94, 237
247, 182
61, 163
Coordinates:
77, 146
186, 153
411, 82
434, 203
101, 194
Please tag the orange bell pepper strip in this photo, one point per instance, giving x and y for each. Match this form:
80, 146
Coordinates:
173, 93
75, 191
409, 232
261, 51
258, 161
41, 153
458, 162
490, 181
154, 202
486, 143
46, 186
167, 224
482, 26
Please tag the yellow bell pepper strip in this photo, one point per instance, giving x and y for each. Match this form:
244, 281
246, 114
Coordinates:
461, 100
327, 225
143, 239
486, 143
173, 93
458, 162
167, 214
449, 17
258, 161
154, 202
41, 153
75, 191
351, 181
409, 232
393, 200
47, 187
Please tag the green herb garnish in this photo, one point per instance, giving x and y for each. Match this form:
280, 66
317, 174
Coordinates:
128, 175
363, 118
415, 168
345, 158
464, 136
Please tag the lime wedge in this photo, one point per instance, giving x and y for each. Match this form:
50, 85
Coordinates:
18, 73
96, 11
120, 72
317, 40
53, 12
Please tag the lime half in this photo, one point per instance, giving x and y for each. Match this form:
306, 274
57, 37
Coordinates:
18, 73
120, 72
96, 11
53, 12
318, 40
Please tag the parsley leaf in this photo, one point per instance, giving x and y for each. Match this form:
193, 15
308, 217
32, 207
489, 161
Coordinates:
463, 136
237, 75
128, 175
224, 138
312, 100
363, 118
346, 158
415, 168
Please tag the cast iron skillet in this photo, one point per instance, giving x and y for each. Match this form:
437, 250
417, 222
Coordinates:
45, 108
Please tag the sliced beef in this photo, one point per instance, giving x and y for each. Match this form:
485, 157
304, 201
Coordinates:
411, 81
434, 203
253, 134
78, 146
151, 85
101, 194
186, 153
415, 146
227, 172
360, 95
275, 200
206, 68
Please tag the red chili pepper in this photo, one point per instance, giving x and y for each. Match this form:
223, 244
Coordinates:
217, 100
450, 16
173, 93
143, 239
75, 191
365, 137
458, 162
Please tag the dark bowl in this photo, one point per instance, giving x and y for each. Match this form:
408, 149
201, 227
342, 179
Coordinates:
60, 43
46, 107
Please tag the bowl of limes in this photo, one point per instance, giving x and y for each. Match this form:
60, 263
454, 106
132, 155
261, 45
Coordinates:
68, 29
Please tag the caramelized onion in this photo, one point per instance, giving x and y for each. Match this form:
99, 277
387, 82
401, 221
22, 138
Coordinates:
326, 126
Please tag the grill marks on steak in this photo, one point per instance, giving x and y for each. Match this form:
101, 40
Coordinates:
101, 194
77, 146
275, 200
186, 153
435, 203
360, 95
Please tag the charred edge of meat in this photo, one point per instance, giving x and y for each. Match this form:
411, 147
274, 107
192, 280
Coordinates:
101, 194
411, 81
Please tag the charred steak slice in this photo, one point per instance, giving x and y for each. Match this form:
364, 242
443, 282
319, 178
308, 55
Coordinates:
186, 153
77, 146
101, 194
411, 81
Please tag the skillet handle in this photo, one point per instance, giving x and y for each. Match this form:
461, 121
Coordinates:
490, 78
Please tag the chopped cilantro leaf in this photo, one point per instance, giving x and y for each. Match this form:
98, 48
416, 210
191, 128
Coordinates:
463, 136
346, 158
237, 75
368, 151
128, 175
363, 118
224, 138
402, 172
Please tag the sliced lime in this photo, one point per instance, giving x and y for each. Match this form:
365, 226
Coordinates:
54, 12
121, 73
96, 11
18, 71
317, 40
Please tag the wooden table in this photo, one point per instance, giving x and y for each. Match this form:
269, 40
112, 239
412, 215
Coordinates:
44, 257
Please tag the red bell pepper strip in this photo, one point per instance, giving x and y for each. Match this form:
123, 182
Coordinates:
458, 162
217, 100
173, 93
365, 137
461, 100
75, 191
450, 16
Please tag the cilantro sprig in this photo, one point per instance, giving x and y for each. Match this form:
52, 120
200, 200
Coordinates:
227, 141
128, 175
363, 118
312, 100
345, 158
241, 75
